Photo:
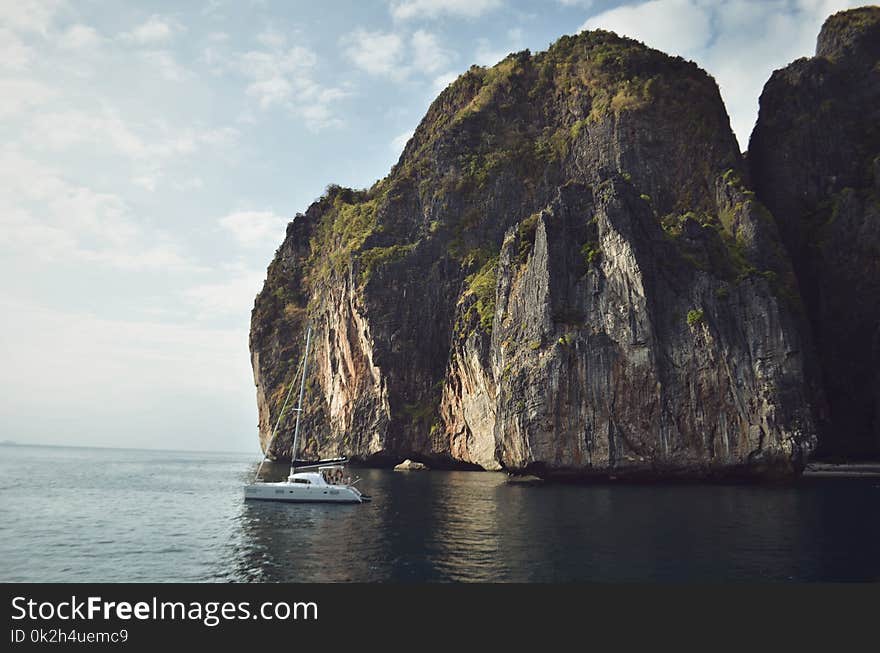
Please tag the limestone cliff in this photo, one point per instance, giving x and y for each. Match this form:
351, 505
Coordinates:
565, 273
815, 161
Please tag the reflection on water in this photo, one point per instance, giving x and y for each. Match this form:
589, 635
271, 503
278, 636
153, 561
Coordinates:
418, 527
116, 515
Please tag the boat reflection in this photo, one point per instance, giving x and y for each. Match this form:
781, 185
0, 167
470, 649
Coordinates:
476, 527
416, 529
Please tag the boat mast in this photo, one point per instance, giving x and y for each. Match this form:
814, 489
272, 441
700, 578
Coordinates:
277, 422
299, 408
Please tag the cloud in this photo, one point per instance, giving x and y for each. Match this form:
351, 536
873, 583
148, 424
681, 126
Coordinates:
400, 141
274, 74
148, 182
232, 296
754, 39
165, 64
676, 26
212, 53
147, 147
29, 15
378, 53
272, 38
77, 358
157, 29
193, 183
255, 228
73, 377
489, 55
78, 37
486, 55
426, 9
285, 77
739, 42
21, 95
53, 219
14, 54
212, 8
428, 55
442, 81
392, 55
319, 114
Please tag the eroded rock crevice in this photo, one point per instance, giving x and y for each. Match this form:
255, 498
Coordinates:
572, 271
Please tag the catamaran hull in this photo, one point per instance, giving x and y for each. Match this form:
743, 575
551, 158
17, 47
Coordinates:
293, 493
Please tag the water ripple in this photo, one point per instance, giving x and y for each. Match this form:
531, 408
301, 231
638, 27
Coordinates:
117, 515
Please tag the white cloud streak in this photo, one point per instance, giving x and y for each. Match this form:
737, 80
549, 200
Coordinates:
233, 296
21, 95
396, 56
156, 29
678, 26
49, 217
442, 81
429, 56
79, 354
739, 42
165, 64
401, 140
14, 54
285, 77
429, 9
29, 15
255, 228
79, 37
378, 53
106, 129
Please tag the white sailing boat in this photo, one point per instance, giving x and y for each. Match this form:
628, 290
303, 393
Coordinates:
319, 481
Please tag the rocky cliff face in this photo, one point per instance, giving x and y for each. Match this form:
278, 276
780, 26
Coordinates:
815, 162
565, 273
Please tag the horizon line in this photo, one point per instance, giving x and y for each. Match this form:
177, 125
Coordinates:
14, 443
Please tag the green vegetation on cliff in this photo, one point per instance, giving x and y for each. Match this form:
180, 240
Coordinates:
515, 122
608, 157
482, 285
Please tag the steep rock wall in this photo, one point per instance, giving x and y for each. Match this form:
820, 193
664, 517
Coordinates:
815, 161
565, 273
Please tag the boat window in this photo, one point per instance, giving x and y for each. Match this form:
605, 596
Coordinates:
302, 480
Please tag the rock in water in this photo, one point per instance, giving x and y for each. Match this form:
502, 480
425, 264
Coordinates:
410, 465
566, 273
815, 161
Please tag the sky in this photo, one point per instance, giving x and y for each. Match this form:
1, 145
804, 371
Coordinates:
151, 154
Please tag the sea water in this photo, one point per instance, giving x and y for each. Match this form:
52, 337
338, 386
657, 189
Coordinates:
116, 515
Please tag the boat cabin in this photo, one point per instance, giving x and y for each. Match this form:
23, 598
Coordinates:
334, 474
306, 478
326, 475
